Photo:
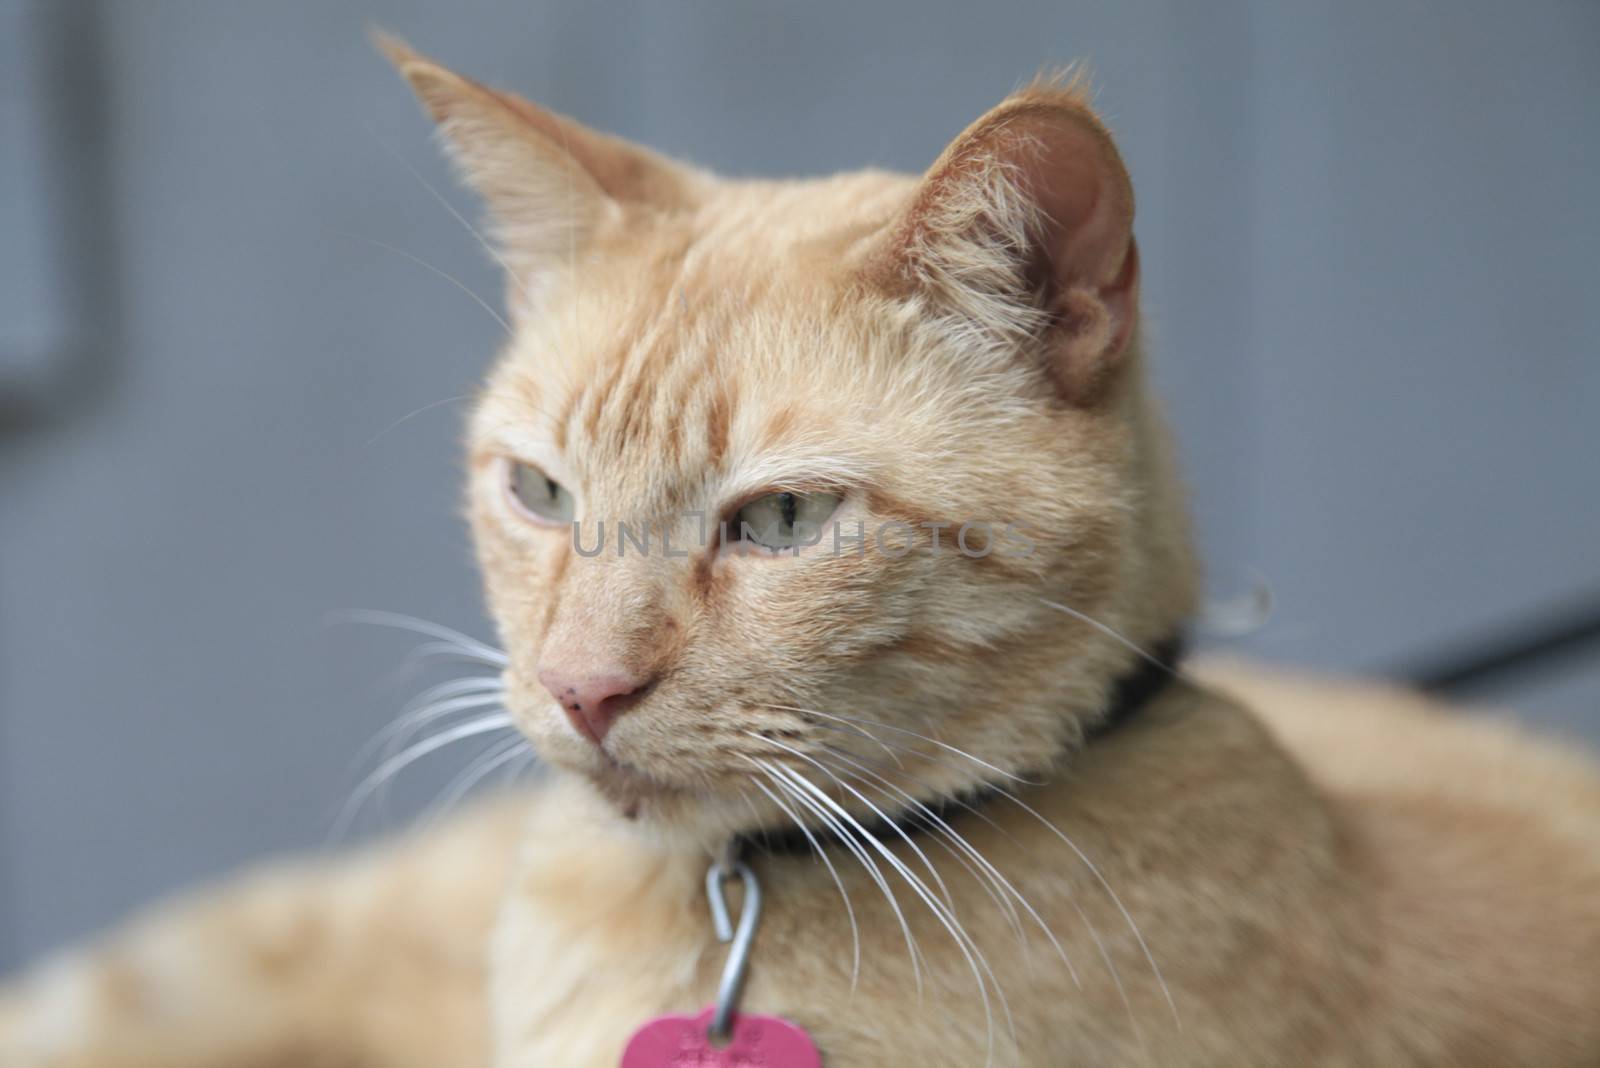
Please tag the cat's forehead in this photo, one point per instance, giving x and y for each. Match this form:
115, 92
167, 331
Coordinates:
745, 304
711, 375
756, 217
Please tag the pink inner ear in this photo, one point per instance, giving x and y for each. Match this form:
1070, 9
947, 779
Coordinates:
1068, 166
1031, 202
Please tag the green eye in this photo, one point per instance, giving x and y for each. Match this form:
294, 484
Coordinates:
783, 520
543, 497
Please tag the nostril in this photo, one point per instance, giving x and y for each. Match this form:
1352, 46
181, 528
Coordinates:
616, 704
594, 702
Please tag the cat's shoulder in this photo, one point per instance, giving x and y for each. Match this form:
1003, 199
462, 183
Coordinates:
1360, 737
1477, 845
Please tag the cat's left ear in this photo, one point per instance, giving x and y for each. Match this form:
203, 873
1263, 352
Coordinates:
1023, 231
550, 183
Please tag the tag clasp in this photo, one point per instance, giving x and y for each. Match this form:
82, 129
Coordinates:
738, 964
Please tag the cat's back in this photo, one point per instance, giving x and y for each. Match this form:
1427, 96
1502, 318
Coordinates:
1482, 849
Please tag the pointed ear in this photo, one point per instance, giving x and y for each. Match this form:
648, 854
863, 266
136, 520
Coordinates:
1023, 230
549, 182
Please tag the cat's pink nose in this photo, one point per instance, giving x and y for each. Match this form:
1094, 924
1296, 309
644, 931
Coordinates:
594, 700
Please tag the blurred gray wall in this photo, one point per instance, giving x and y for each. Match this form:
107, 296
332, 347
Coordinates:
1370, 236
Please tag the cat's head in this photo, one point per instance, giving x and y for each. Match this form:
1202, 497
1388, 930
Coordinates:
889, 358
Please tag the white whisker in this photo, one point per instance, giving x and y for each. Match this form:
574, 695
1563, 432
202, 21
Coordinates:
1106, 886
392, 736
943, 837
822, 855
857, 731
442, 650
1114, 635
772, 772
991, 873
446, 275
394, 765
1089, 925
527, 758
399, 621
976, 961
966, 806
455, 688
483, 242
908, 750
412, 415
859, 721
498, 756
1127, 917
944, 891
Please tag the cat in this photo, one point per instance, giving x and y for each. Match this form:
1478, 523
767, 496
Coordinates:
995, 816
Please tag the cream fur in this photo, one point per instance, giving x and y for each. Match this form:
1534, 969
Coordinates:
1260, 870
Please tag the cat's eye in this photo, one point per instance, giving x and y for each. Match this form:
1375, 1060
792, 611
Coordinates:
783, 520
540, 495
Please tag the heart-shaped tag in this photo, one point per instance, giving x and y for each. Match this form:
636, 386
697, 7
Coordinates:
685, 1042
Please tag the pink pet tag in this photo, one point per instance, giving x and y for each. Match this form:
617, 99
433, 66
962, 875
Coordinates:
685, 1042
720, 1036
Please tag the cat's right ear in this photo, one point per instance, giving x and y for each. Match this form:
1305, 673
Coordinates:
549, 183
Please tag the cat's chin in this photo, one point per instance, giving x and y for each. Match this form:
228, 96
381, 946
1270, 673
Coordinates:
633, 794
660, 811
705, 807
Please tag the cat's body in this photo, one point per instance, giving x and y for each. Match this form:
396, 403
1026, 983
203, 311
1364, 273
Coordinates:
1317, 906
1314, 874
1357, 898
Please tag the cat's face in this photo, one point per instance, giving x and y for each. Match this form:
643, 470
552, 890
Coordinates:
882, 358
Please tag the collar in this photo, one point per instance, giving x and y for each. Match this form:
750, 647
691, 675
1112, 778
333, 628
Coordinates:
1134, 690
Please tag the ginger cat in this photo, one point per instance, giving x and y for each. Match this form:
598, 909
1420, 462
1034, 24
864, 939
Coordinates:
1118, 864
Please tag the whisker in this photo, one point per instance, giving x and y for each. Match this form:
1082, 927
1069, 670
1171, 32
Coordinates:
857, 731
974, 810
862, 721
527, 760
976, 961
454, 688
498, 756
444, 202
822, 855
1089, 924
911, 751
992, 873
1115, 635
397, 763
939, 838
413, 719
447, 651
944, 891
1116, 900
774, 774
446, 275
947, 917
412, 415
399, 621
757, 820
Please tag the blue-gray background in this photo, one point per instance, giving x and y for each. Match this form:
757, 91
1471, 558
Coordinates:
1370, 233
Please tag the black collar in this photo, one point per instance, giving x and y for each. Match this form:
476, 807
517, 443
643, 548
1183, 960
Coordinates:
1133, 692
